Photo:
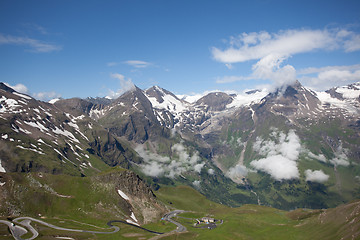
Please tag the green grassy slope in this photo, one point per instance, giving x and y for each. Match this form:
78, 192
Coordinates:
91, 205
259, 222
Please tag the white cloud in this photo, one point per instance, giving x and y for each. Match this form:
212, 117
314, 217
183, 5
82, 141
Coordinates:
36, 27
352, 43
237, 172
181, 161
138, 63
281, 154
21, 88
340, 158
211, 171
319, 157
272, 49
198, 167
326, 77
312, 70
125, 85
279, 167
112, 64
133, 63
46, 96
269, 68
34, 44
316, 176
43, 96
197, 184
252, 46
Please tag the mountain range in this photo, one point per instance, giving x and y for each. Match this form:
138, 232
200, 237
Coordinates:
290, 148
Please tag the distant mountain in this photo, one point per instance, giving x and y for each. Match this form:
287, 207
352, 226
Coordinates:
290, 148
38, 136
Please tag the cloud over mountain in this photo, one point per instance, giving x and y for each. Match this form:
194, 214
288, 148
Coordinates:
257, 45
316, 176
326, 77
280, 155
125, 85
181, 161
271, 50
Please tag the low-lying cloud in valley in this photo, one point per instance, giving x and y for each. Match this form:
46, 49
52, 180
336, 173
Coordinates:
155, 165
316, 176
280, 153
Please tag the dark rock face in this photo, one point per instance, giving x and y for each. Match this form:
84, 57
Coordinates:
215, 101
6, 88
130, 183
112, 151
74, 104
141, 200
99, 101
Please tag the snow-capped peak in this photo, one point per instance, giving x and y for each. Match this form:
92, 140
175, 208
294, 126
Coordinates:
349, 92
162, 99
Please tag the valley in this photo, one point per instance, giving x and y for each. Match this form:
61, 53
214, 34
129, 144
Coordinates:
277, 164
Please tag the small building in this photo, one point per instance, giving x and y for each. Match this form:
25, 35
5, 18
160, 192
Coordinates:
208, 220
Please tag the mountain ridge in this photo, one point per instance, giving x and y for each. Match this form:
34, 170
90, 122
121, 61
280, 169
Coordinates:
225, 138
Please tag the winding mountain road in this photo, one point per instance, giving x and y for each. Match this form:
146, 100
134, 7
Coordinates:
25, 222
18, 231
168, 217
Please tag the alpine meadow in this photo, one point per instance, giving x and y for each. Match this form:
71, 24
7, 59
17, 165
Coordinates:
179, 119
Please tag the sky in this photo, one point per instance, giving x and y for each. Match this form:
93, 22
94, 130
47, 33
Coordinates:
51, 49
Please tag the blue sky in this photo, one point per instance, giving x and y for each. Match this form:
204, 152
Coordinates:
97, 48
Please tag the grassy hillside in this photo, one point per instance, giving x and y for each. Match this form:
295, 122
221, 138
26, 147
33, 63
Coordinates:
89, 205
259, 222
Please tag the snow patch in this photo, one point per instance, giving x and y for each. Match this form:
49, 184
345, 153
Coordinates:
52, 101
2, 169
38, 125
170, 103
133, 217
24, 131
30, 149
247, 99
96, 113
348, 92
326, 98
123, 195
8, 104
21, 95
132, 222
66, 134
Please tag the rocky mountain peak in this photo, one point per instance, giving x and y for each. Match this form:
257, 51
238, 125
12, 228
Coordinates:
292, 100
351, 91
215, 101
159, 93
6, 88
